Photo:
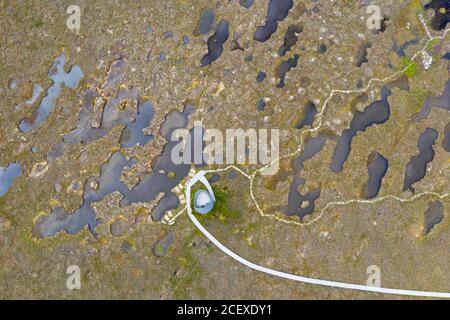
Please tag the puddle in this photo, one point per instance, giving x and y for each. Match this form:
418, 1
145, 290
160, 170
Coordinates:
298, 204
59, 220
59, 77
400, 50
308, 116
401, 83
290, 39
12, 84
284, 68
117, 110
377, 166
173, 121
376, 113
361, 56
205, 23
55, 153
417, 166
261, 105
37, 90
425, 111
168, 202
443, 101
109, 180
166, 175
7, 177
232, 175
312, 147
214, 178
235, 45
84, 132
261, 76
162, 246
133, 134
433, 215
95, 189
119, 227
215, 43
276, 12
322, 49
440, 19
115, 74
246, 3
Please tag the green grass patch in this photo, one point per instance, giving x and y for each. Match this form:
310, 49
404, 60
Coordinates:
432, 43
159, 249
221, 211
418, 97
171, 175
416, 5
192, 271
409, 66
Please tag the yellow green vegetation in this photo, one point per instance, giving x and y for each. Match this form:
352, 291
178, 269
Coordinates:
417, 98
191, 271
159, 249
171, 174
415, 5
221, 210
409, 67
432, 43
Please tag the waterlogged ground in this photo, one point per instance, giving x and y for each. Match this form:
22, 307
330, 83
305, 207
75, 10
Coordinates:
86, 176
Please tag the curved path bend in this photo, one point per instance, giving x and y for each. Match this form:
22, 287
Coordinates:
200, 177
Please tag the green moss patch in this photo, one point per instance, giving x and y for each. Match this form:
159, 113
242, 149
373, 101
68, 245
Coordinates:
222, 211
409, 66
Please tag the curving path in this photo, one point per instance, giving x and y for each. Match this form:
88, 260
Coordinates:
200, 177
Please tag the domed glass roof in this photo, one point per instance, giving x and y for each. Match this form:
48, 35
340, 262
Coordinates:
203, 202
